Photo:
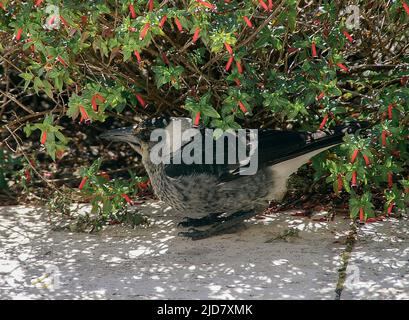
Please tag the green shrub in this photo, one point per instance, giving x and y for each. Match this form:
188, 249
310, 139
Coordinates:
227, 64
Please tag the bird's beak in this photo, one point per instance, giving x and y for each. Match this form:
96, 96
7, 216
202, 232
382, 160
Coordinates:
123, 135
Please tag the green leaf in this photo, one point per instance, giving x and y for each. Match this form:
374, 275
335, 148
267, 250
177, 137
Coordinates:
26, 76
28, 129
38, 84
48, 88
209, 111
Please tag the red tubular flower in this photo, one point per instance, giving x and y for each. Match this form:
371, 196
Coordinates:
144, 31
104, 175
348, 36
38, 3
396, 153
196, 35
94, 99
353, 181
239, 67
324, 121
406, 7
228, 48
127, 199
162, 21
339, 183
18, 34
59, 154
383, 136
62, 61
343, 67
142, 185
150, 5
64, 22
270, 4
354, 155
390, 180
229, 62
83, 182
84, 114
132, 11
43, 137
314, 50
197, 120
178, 24
84, 20
248, 22
263, 4
390, 208
320, 96
51, 21
390, 107
367, 162
27, 174
292, 49
206, 4
243, 108
361, 215
140, 100
137, 55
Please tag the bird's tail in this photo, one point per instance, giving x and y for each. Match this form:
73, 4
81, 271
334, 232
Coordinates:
316, 142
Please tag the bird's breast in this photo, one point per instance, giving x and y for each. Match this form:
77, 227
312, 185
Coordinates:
197, 195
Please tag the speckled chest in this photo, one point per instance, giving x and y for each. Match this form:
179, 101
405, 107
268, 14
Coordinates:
201, 194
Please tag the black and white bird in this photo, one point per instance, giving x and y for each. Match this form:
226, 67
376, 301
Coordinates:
217, 194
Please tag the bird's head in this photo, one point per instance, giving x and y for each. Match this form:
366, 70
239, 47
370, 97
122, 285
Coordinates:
139, 135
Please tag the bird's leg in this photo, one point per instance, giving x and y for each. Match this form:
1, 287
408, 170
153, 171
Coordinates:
200, 222
218, 228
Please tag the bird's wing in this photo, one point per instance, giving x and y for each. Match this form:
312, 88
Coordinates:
274, 146
206, 166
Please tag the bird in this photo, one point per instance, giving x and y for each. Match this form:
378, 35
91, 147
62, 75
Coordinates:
215, 194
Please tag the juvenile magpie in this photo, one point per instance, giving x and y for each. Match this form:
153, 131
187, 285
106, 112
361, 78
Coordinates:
217, 194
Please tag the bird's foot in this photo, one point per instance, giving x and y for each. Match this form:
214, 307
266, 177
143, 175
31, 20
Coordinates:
205, 221
194, 234
223, 226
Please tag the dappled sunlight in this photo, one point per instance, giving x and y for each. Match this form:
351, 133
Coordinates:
153, 262
380, 261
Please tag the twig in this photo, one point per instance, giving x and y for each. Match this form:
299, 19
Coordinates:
28, 160
11, 97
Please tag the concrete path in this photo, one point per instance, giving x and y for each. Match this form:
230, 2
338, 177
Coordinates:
277, 257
